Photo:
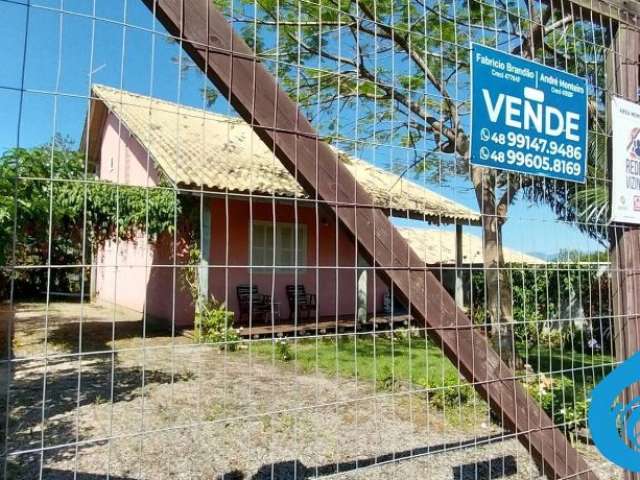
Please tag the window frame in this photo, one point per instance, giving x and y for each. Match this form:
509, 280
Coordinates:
267, 248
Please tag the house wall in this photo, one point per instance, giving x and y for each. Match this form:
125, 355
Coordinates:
135, 273
124, 267
122, 159
143, 277
336, 288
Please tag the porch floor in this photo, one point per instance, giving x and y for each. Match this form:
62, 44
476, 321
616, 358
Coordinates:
323, 325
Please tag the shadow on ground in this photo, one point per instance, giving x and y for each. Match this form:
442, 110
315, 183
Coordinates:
44, 394
499, 467
6, 335
494, 468
100, 336
54, 474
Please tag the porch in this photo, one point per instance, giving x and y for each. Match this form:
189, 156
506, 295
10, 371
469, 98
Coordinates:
325, 324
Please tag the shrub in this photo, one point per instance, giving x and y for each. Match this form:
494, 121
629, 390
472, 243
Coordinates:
575, 414
403, 334
61, 220
560, 399
539, 293
214, 324
582, 340
449, 392
551, 337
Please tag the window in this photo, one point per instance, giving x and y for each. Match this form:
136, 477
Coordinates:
262, 248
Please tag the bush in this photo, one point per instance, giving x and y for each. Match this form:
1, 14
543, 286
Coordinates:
575, 415
539, 293
60, 221
560, 399
404, 334
214, 324
551, 337
449, 392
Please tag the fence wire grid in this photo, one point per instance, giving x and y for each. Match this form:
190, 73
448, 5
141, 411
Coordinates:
179, 302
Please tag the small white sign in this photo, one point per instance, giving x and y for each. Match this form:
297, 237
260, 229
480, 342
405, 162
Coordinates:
625, 195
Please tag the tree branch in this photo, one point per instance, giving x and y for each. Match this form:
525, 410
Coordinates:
417, 56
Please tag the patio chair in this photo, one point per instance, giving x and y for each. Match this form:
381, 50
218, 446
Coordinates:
253, 303
387, 307
300, 302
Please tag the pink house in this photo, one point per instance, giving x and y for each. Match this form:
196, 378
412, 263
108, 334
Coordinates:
256, 224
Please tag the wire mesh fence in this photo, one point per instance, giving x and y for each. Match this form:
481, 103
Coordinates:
244, 239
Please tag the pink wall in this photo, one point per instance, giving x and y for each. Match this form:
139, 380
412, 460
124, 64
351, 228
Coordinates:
122, 159
122, 267
335, 288
138, 275
166, 298
143, 277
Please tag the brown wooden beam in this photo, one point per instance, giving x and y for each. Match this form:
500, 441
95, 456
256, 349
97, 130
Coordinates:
624, 81
608, 13
232, 66
617, 10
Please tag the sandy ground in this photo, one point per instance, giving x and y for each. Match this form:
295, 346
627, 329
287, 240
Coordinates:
165, 408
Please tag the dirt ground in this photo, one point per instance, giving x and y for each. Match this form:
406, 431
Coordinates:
141, 403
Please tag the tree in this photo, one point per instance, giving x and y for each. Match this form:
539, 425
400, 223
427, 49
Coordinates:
398, 73
52, 209
587, 205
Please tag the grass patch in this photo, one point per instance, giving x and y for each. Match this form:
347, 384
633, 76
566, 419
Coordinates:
584, 368
391, 361
413, 359
399, 359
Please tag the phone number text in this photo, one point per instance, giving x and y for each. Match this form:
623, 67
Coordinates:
536, 161
537, 145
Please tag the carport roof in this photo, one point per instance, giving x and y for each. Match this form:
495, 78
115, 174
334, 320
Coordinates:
438, 247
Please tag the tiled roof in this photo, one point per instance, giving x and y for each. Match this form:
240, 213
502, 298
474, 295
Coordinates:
197, 148
439, 247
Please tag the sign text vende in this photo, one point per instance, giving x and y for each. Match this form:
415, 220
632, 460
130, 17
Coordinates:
527, 117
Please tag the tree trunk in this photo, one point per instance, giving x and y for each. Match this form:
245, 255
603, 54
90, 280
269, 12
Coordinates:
497, 280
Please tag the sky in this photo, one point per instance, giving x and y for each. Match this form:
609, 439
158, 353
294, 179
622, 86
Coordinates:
67, 52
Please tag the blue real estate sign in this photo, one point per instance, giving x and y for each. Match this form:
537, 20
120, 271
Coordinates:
527, 117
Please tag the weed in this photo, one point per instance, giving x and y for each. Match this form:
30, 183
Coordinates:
216, 412
283, 350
